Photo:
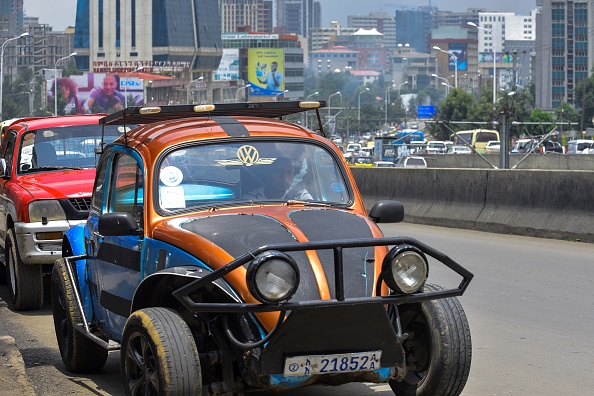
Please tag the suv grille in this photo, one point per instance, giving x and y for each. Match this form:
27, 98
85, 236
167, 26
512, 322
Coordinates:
81, 204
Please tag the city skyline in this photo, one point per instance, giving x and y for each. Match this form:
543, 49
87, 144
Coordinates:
61, 14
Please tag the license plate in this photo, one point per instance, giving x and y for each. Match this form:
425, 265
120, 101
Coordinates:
326, 364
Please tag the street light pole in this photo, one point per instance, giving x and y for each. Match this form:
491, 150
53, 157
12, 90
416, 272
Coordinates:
139, 68
359, 107
2, 66
188, 88
279, 94
237, 97
448, 86
56, 82
387, 99
494, 59
453, 55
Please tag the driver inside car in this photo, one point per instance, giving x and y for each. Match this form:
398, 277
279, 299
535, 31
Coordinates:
277, 183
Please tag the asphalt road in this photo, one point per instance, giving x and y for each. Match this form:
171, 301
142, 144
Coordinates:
530, 309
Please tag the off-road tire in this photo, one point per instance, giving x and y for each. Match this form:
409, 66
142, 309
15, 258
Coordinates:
25, 281
79, 353
439, 345
159, 355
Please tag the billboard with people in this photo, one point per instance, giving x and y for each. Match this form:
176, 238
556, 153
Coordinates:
266, 71
460, 51
94, 93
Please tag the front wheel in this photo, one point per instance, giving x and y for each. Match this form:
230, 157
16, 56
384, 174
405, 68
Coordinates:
79, 353
438, 350
159, 355
25, 282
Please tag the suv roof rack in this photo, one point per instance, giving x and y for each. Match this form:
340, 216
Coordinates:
147, 114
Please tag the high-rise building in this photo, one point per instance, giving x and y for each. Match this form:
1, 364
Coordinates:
11, 18
165, 36
297, 16
381, 21
564, 50
255, 14
413, 27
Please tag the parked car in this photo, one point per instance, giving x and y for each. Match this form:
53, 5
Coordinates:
46, 181
207, 288
411, 162
459, 150
493, 146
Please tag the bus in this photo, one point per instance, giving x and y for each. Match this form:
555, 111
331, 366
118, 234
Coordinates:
475, 138
397, 144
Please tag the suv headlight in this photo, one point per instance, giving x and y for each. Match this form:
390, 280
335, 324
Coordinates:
272, 277
48, 209
405, 269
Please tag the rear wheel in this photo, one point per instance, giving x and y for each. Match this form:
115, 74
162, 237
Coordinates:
25, 282
438, 350
79, 354
159, 355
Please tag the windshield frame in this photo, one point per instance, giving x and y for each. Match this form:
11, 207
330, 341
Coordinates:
344, 187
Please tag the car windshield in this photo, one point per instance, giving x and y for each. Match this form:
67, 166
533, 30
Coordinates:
221, 174
69, 147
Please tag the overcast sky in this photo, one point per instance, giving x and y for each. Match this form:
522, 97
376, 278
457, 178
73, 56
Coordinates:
60, 13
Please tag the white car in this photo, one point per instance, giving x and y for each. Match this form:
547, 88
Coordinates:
384, 164
459, 150
411, 162
435, 147
493, 146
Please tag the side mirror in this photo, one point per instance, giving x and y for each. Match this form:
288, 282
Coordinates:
117, 224
3, 169
387, 212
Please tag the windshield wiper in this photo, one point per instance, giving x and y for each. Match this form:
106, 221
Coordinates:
292, 202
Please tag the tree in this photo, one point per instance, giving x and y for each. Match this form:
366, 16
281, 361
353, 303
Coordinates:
458, 106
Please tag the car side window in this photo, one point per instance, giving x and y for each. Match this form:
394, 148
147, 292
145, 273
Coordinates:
126, 189
99, 186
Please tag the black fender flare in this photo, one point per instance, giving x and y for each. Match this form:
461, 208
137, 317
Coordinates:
156, 290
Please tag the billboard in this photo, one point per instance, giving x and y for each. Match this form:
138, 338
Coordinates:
95, 93
460, 50
266, 71
229, 66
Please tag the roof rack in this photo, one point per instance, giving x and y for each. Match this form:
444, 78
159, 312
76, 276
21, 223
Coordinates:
147, 115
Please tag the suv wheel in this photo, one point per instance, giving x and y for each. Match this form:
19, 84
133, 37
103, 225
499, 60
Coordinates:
438, 350
25, 282
3, 271
159, 355
80, 354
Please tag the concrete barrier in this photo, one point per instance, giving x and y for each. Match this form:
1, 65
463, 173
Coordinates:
540, 203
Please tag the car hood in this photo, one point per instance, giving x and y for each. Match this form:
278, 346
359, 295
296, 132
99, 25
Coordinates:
59, 184
230, 235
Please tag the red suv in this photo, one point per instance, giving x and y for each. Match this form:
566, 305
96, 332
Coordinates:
47, 168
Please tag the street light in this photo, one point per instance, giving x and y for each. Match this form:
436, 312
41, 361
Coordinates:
310, 95
237, 97
2, 66
189, 85
139, 68
387, 99
279, 94
448, 86
494, 60
359, 107
330, 97
435, 47
440, 78
56, 82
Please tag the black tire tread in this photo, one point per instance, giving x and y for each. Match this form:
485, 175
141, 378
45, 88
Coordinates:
28, 295
80, 355
180, 363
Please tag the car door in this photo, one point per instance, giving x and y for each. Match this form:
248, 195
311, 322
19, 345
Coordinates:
116, 260
7, 153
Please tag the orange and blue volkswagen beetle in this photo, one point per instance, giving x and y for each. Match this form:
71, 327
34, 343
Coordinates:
228, 250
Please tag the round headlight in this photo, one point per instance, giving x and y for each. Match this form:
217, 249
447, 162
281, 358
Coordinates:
272, 277
405, 269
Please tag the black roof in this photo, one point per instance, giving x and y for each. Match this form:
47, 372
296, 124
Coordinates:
147, 114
